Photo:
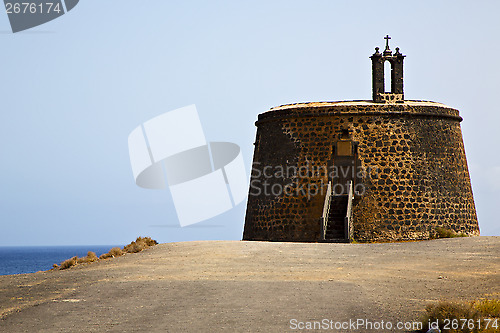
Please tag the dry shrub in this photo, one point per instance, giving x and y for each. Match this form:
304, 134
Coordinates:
105, 256
91, 257
135, 247
139, 244
447, 312
450, 311
69, 263
116, 252
447, 233
488, 307
146, 240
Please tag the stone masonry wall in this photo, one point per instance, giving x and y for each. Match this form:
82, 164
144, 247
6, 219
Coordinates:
414, 171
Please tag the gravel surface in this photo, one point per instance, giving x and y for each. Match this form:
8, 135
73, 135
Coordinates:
239, 286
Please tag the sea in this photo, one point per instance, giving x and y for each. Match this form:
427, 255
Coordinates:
31, 259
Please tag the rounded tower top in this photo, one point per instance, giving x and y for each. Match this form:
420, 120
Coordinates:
405, 109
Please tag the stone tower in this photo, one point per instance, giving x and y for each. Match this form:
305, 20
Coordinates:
378, 170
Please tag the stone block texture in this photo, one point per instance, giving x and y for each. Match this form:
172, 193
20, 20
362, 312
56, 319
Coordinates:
413, 174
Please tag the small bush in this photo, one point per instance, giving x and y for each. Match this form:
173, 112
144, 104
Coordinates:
91, 257
116, 252
69, 263
105, 256
139, 244
488, 307
149, 241
447, 233
446, 312
134, 247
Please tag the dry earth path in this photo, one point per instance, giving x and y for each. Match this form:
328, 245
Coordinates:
237, 286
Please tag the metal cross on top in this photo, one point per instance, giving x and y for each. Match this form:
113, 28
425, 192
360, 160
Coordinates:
387, 42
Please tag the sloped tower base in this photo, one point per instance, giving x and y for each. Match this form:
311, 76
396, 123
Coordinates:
410, 170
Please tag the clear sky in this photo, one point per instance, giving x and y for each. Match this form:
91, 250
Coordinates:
73, 89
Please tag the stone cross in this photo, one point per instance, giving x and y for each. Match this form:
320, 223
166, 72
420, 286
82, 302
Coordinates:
387, 42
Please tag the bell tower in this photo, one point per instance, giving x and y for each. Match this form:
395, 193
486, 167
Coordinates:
381, 170
380, 92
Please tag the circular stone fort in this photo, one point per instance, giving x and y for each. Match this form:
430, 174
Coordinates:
387, 169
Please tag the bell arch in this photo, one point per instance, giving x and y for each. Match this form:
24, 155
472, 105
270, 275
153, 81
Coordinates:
387, 87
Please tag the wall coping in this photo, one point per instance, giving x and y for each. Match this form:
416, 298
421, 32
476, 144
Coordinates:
410, 108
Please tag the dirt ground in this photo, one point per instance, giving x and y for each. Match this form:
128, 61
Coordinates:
239, 286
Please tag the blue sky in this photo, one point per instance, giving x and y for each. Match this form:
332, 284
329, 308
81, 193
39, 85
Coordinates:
74, 88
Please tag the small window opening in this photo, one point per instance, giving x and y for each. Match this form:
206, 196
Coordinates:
345, 134
387, 77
